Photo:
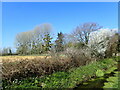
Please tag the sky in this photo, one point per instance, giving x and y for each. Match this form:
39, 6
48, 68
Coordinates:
63, 16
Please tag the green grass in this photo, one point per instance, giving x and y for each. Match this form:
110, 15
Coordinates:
67, 79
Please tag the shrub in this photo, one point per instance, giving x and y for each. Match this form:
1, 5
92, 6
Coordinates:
78, 56
34, 67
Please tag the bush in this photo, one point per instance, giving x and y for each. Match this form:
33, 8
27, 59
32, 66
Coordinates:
34, 67
78, 56
41, 66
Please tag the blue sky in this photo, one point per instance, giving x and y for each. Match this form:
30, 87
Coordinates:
23, 16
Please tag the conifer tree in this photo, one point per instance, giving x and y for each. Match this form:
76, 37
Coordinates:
59, 42
47, 42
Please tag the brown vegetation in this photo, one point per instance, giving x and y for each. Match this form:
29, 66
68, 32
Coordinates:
41, 66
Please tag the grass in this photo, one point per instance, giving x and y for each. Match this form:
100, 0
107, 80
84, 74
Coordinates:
67, 79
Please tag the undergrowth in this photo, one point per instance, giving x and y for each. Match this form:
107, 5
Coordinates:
62, 79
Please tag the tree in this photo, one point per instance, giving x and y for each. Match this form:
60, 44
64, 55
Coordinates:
99, 41
40, 33
0, 52
82, 32
47, 42
10, 51
118, 46
31, 42
112, 47
69, 41
22, 42
59, 42
6, 51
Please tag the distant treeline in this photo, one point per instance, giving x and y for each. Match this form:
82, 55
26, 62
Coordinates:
41, 40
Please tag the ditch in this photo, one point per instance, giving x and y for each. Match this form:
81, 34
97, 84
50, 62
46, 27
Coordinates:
96, 82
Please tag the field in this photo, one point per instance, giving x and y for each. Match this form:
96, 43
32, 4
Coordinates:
19, 58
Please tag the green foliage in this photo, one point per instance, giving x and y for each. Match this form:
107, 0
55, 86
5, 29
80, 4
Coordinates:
79, 45
99, 73
59, 42
111, 69
47, 41
117, 58
112, 82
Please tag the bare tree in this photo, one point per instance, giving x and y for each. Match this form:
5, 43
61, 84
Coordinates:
22, 41
38, 35
82, 32
30, 42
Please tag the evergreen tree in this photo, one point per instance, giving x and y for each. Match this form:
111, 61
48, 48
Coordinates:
47, 42
59, 42
10, 51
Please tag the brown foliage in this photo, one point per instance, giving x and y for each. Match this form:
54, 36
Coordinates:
40, 66
34, 67
112, 47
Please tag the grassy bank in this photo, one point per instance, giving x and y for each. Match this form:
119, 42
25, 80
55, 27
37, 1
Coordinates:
67, 79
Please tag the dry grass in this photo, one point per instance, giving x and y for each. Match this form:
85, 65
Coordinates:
28, 66
19, 58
